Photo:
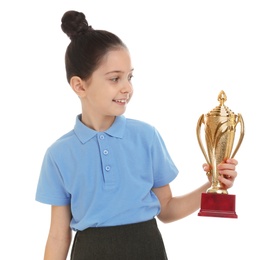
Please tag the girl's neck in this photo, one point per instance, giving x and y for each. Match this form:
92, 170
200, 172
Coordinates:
99, 124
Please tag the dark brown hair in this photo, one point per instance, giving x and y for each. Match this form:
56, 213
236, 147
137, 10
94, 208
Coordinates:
87, 47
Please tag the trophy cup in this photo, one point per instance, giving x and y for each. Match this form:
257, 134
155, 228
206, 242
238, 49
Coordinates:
220, 131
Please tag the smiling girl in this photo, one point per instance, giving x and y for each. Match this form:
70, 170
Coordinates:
108, 178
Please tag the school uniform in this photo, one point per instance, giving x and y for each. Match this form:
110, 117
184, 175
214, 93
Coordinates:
107, 178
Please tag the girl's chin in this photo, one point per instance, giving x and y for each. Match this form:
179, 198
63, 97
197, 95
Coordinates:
120, 111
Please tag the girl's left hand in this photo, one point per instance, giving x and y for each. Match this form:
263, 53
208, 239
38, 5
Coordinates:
227, 172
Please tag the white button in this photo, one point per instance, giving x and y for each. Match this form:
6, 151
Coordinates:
101, 137
107, 168
105, 152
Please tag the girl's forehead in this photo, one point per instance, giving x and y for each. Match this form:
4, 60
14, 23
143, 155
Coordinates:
116, 55
115, 60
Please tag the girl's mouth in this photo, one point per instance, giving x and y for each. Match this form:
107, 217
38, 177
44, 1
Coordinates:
120, 101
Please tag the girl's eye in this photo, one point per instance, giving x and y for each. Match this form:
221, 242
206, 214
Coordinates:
130, 77
115, 79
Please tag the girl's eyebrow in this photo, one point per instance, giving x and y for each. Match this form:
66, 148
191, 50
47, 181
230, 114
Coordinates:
117, 71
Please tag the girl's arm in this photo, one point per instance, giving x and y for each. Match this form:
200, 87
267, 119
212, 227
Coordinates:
59, 237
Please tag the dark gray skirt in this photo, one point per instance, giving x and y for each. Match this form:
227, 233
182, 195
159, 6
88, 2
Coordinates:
140, 241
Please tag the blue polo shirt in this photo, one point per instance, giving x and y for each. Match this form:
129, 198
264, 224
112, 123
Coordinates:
106, 177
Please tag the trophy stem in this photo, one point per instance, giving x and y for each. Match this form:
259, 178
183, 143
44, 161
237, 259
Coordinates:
216, 186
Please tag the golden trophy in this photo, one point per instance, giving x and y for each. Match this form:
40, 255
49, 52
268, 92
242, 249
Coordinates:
220, 131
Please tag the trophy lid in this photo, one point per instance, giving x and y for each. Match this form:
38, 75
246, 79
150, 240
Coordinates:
221, 110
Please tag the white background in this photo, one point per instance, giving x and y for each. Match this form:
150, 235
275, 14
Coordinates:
184, 53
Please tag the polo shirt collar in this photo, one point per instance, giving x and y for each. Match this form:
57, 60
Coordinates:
85, 133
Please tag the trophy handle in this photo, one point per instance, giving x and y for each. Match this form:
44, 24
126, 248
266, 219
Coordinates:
240, 120
198, 131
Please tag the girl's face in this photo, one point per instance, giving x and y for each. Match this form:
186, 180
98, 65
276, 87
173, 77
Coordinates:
109, 89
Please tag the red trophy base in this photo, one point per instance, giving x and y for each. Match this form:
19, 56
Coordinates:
218, 205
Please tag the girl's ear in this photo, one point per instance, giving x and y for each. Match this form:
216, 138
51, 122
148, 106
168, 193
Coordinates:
77, 85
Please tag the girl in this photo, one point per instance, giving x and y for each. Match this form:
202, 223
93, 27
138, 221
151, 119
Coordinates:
108, 179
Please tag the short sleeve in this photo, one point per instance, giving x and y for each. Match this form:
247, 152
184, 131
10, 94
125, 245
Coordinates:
164, 168
50, 188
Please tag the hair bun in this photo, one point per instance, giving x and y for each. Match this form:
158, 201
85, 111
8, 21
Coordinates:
74, 24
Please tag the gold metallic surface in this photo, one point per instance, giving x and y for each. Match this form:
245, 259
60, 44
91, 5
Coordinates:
219, 130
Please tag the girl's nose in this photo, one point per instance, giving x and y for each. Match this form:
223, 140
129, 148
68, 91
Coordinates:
127, 88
